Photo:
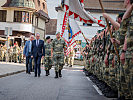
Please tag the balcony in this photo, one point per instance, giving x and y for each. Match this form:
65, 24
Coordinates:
23, 27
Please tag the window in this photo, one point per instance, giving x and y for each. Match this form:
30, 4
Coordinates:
3, 15
22, 16
43, 6
84, 24
38, 2
36, 21
17, 16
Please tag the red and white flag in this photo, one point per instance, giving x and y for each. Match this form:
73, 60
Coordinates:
75, 10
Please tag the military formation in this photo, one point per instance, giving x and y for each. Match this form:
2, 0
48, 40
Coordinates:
101, 58
14, 53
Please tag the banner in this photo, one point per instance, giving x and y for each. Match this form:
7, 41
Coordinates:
77, 12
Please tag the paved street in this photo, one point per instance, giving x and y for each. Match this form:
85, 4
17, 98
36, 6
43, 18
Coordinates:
73, 86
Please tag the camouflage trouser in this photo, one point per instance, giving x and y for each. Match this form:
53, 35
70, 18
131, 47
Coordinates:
2, 55
127, 88
20, 57
10, 57
58, 60
15, 57
66, 60
48, 63
106, 73
71, 61
112, 77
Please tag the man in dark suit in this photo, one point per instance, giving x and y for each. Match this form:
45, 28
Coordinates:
37, 52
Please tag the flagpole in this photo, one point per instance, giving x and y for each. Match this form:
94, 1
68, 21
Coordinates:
109, 30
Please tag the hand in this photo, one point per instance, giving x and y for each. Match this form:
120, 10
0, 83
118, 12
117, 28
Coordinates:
24, 55
106, 60
31, 56
42, 57
113, 40
105, 15
113, 61
122, 58
51, 56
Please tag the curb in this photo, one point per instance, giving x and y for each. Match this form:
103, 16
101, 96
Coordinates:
13, 73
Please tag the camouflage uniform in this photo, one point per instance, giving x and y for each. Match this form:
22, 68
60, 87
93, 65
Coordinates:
15, 53
126, 29
58, 53
71, 58
4, 52
48, 61
20, 54
11, 54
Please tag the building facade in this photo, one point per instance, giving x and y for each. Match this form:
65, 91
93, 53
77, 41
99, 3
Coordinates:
23, 17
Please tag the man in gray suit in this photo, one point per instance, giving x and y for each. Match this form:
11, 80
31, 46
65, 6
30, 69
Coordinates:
27, 54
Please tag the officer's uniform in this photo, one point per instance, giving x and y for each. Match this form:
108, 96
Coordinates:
15, 53
48, 61
58, 53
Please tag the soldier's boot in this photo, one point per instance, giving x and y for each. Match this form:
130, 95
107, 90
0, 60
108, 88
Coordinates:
121, 98
56, 74
47, 73
60, 75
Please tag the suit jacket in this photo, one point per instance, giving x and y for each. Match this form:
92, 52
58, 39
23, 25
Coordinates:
26, 48
38, 50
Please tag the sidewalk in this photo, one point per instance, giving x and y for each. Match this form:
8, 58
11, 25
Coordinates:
7, 69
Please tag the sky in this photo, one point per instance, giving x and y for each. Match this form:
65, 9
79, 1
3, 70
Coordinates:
51, 4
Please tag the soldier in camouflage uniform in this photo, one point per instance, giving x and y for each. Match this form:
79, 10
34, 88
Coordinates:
48, 61
21, 54
16, 50
1, 52
126, 29
71, 57
58, 49
11, 54
4, 52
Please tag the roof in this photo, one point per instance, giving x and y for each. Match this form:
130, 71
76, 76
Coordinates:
43, 14
107, 4
51, 27
19, 3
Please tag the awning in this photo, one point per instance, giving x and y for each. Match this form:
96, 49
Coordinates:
2, 39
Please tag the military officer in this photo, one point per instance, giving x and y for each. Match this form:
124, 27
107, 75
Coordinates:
48, 61
58, 49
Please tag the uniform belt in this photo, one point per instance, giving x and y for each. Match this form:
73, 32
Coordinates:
58, 52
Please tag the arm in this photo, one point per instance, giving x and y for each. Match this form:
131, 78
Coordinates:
51, 52
32, 50
128, 12
43, 49
114, 23
25, 47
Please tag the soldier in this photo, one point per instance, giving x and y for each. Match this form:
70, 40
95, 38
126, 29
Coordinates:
71, 57
48, 61
57, 53
1, 52
21, 54
4, 52
11, 54
15, 52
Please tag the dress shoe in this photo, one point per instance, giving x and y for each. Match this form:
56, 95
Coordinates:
35, 75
